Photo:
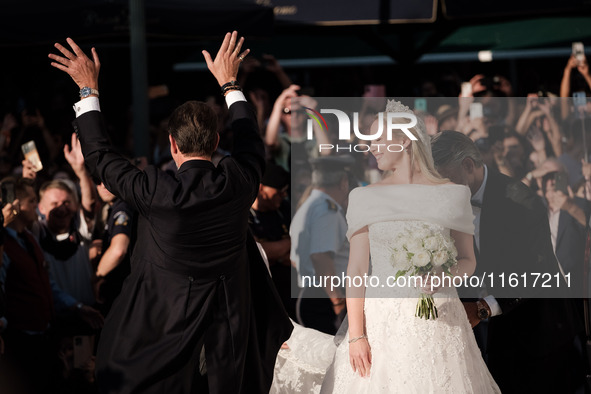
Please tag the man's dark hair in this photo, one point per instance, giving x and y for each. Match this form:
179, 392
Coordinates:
193, 126
452, 147
21, 185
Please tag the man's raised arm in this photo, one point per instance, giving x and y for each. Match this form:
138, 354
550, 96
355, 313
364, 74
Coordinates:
249, 149
120, 176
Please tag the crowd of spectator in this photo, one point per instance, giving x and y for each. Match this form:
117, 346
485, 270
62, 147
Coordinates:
67, 240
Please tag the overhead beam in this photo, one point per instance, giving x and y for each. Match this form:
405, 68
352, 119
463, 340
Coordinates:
386, 60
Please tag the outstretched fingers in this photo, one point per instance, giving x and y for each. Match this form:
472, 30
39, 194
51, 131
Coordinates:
226, 63
208, 59
74, 142
95, 57
243, 54
72, 147
77, 64
66, 151
58, 65
232, 43
60, 59
225, 44
75, 48
64, 51
238, 46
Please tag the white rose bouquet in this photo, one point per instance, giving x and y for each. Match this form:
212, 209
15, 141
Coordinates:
420, 253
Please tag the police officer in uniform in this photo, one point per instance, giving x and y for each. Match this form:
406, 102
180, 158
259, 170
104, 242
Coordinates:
319, 244
114, 265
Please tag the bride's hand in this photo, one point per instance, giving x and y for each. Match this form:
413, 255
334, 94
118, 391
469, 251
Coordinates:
360, 357
429, 286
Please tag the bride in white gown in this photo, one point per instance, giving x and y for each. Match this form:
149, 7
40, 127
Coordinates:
387, 349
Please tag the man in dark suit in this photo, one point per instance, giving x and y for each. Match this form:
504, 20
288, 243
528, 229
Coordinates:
568, 222
190, 283
531, 344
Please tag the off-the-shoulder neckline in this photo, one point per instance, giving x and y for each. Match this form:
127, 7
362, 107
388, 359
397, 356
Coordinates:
375, 186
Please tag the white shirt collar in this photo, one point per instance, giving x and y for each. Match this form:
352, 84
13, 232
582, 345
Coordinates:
479, 195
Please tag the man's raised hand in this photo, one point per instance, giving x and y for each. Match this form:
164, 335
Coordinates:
227, 61
74, 155
77, 65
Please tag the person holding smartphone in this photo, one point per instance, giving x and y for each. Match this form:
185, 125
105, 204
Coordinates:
569, 82
33, 300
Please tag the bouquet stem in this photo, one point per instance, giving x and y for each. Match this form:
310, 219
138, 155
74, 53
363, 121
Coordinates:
426, 307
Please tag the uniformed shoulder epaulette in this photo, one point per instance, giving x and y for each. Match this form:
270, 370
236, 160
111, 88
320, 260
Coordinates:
332, 205
121, 218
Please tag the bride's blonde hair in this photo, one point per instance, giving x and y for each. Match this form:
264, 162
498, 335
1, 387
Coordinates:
420, 149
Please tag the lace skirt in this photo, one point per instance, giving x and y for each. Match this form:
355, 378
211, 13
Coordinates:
412, 355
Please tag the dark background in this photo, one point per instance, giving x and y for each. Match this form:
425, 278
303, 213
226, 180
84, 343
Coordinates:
420, 41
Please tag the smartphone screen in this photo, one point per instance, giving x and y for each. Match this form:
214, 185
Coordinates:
561, 183
579, 99
421, 104
475, 111
579, 51
8, 193
30, 151
466, 89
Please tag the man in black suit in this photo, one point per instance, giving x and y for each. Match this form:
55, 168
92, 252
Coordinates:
568, 223
531, 344
190, 283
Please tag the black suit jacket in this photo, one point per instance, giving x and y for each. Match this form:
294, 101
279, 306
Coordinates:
531, 334
570, 246
190, 279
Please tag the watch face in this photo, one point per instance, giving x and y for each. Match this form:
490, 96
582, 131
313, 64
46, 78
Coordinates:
483, 314
85, 92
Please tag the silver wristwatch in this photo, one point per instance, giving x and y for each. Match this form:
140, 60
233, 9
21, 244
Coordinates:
86, 91
483, 312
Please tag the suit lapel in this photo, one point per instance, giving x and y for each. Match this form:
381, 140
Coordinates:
492, 205
561, 228
486, 212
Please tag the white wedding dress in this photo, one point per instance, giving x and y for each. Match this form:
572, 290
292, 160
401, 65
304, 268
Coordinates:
409, 354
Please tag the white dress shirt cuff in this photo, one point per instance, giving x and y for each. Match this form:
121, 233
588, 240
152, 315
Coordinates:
495, 308
92, 103
234, 96
86, 105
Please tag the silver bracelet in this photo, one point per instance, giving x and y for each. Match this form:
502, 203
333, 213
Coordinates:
357, 338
